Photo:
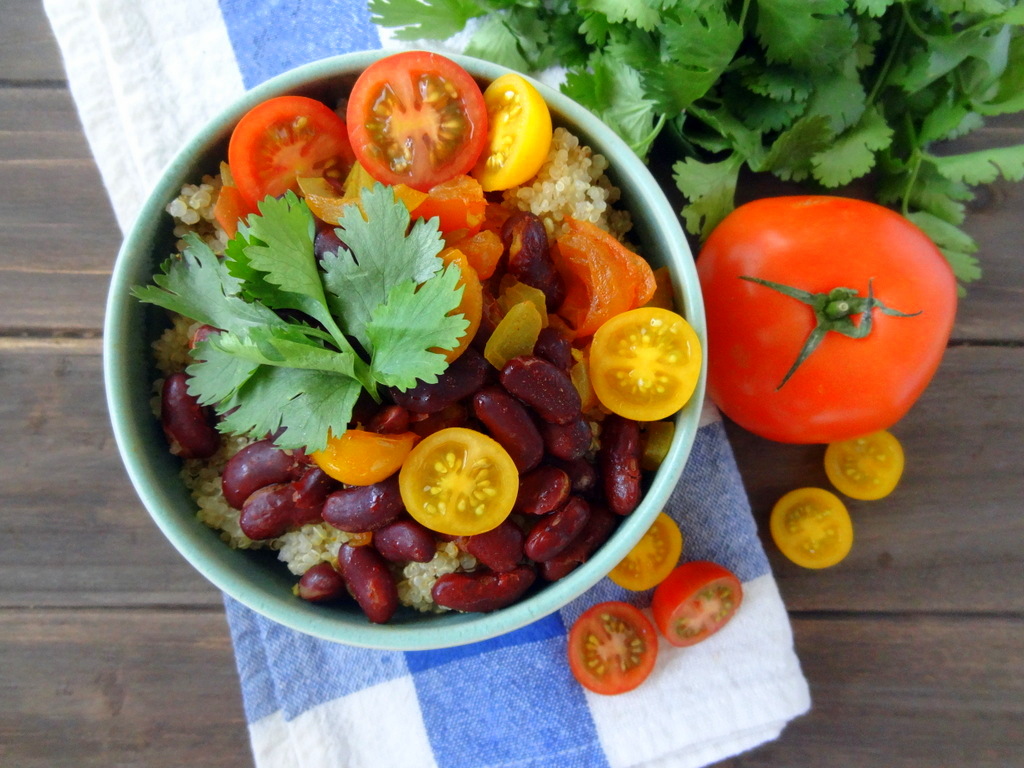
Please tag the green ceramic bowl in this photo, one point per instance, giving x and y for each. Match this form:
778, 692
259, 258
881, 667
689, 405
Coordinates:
257, 579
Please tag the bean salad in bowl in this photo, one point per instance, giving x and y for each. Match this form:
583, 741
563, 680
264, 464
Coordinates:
405, 350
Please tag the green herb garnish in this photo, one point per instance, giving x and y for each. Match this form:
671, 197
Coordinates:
300, 341
817, 91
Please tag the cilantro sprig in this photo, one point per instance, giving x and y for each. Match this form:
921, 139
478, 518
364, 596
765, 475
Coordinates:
299, 340
822, 92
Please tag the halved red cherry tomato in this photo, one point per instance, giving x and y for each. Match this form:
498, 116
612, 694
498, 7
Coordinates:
519, 133
285, 138
358, 457
612, 648
652, 559
865, 468
645, 363
812, 527
459, 481
416, 118
694, 601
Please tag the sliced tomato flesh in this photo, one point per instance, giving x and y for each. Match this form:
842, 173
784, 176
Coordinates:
695, 601
612, 648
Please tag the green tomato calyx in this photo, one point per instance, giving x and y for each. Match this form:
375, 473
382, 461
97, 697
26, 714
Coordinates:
833, 311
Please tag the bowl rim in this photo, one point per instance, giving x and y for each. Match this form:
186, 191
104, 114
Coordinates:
134, 441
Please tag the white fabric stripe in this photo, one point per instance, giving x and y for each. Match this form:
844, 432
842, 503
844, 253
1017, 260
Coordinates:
134, 124
718, 698
386, 717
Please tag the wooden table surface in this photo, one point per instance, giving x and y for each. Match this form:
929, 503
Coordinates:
114, 652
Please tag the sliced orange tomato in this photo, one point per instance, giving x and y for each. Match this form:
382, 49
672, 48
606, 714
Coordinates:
865, 468
612, 648
812, 527
694, 601
459, 482
645, 363
283, 139
652, 559
229, 209
328, 204
358, 457
518, 133
472, 303
458, 204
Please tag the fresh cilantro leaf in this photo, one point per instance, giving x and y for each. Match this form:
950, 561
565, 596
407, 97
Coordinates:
983, 166
198, 286
216, 376
433, 20
791, 153
381, 255
778, 82
874, 8
711, 188
808, 35
496, 41
956, 245
269, 346
404, 331
852, 154
646, 15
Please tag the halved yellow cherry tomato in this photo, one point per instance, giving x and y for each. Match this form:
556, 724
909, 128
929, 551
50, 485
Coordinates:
518, 133
645, 363
459, 481
652, 559
812, 527
359, 457
865, 468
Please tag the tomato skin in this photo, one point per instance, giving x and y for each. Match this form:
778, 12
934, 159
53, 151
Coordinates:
652, 559
359, 457
847, 387
694, 601
612, 627
282, 139
812, 527
401, 98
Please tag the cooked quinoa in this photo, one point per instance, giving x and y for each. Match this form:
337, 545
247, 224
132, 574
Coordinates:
572, 182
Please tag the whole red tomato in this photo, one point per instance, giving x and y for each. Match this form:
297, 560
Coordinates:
901, 302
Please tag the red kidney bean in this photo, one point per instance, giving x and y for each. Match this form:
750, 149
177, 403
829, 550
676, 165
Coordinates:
567, 441
553, 534
364, 507
554, 347
500, 549
389, 420
543, 386
482, 591
309, 494
270, 511
541, 491
427, 424
369, 581
188, 425
256, 466
201, 334
267, 513
600, 526
529, 257
582, 474
510, 424
322, 584
405, 540
619, 463
462, 378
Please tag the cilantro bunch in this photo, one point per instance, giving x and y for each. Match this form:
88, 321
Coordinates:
299, 340
815, 91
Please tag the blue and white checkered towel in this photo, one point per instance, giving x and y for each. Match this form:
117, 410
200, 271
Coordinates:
145, 74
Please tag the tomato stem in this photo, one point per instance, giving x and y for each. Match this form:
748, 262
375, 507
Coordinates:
833, 311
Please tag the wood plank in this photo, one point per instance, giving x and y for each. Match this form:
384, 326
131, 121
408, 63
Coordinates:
950, 537
28, 50
145, 689
905, 693
76, 533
